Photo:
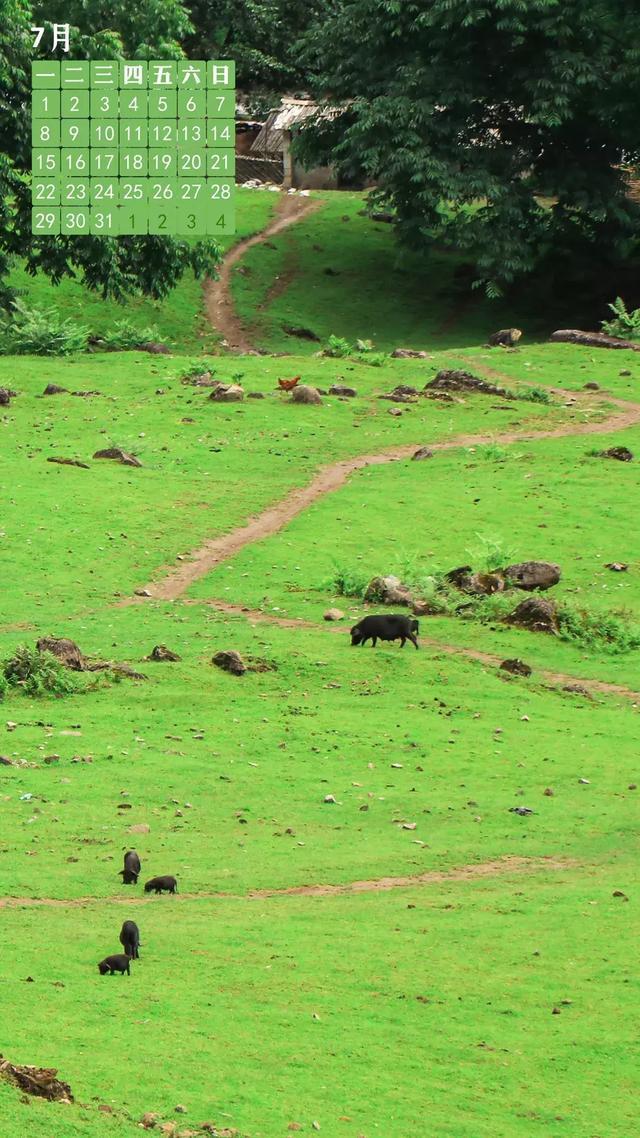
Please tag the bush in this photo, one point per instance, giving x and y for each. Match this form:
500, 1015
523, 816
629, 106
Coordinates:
125, 336
336, 347
40, 332
612, 632
490, 553
37, 674
625, 324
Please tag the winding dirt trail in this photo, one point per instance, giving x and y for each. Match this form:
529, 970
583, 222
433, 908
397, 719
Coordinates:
330, 478
475, 872
217, 294
556, 679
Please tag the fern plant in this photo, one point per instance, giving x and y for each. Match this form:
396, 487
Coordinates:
625, 324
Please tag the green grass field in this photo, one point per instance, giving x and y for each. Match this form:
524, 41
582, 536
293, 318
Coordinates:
262, 1002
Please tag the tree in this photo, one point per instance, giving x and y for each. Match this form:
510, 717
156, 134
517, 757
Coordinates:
261, 35
468, 115
117, 268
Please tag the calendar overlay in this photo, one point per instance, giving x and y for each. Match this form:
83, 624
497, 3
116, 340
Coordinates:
133, 147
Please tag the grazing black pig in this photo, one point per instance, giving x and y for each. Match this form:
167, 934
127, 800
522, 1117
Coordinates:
385, 627
161, 885
113, 964
130, 939
131, 869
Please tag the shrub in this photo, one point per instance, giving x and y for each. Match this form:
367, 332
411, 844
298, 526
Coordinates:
336, 347
347, 582
40, 332
490, 553
611, 632
38, 673
125, 336
625, 324
535, 395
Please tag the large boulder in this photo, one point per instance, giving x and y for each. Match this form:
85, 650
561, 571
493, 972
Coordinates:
66, 651
455, 380
305, 394
388, 591
227, 393
535, 614
342, 389
592, 339
505, 338
477, 584
230, 661
622, 454
530, 575
117, 454
409, 354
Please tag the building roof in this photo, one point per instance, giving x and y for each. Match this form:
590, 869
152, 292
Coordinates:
290, 113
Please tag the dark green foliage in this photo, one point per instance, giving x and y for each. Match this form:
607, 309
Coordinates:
487, 107
624, 323
150, 266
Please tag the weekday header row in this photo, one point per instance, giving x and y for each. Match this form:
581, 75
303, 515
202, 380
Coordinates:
131, 74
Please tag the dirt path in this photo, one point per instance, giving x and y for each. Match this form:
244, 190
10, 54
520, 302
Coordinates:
557, 679
330, 478
217, 294
474, 872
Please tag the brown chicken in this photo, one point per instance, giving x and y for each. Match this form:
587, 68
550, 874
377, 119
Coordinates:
288, 384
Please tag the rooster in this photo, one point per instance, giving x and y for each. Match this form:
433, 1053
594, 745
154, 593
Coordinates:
288, 384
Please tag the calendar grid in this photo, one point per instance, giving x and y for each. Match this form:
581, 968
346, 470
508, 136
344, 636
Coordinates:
133, 147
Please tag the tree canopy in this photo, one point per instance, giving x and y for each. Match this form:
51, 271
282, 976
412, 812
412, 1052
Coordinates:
118, 29
500, 128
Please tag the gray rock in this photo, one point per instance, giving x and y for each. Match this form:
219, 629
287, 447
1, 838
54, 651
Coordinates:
305, 394
530, 575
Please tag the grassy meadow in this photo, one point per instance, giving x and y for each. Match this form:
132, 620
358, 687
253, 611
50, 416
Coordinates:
492, 992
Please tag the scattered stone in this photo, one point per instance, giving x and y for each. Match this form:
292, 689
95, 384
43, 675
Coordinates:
305, 394
230, 662
54, 389
556, 1012
548, 792
342, 389
617, 566
422, 452
162, 653
300, 333
619, 893
477, 584
5, 398
203, 379
179, 1109
505, 338
388, 591
388, 219
256, 395
51, 759
333, 614
531, 575
118, 455
402, 393
68, 462
330, 798
424, 608
408, 354
625, 371
591, 339
395, 411
523, 811
139, 828
516, 667
154, 349
142, 593
127, 671
227, 393
577, 689
464, 381
5, 761
38, 1081
623, 454
535, 614
149, 1120
592, 386
66, 651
